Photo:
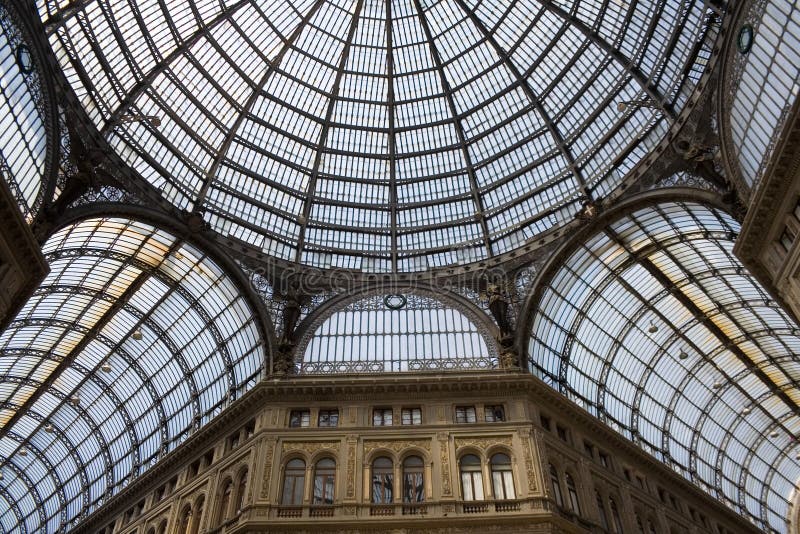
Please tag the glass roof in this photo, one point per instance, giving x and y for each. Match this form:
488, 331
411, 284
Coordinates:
381, 135
23, 142
656, 328
134, 340
396, 333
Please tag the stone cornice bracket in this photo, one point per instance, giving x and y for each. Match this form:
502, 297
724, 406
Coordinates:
22, 266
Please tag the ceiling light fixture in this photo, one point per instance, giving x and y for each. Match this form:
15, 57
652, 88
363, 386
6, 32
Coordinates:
774, 434
683, 354
23, 451
137, 334
75, 400
717, 385
49, 428
106, 367
746, 410
652, 328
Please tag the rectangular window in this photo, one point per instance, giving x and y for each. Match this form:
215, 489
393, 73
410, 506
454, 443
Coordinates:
588, 448
299, 418
465, 414
411, 416
328, 418
249, 430
494, 414
787, 238
545, 421
561, 432
605, 460
382, 417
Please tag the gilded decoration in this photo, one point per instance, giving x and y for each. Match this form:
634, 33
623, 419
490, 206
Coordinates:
483, 443
397, 445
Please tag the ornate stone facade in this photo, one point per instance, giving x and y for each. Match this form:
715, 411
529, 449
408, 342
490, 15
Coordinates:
254, 437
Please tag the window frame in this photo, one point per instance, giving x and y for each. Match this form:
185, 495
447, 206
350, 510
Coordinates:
464, 413
302, 416
328, 418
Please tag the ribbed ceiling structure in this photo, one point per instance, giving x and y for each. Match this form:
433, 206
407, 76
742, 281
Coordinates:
23, 143
657, 329
381, 135
134, 340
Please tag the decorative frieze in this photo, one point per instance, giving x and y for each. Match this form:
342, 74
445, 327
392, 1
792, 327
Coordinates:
397, 445
483, 443
309, 447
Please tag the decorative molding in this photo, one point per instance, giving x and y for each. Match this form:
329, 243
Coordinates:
444, 461
309, 447
525, 438
352, 442
397, 445
483, 443
269, 453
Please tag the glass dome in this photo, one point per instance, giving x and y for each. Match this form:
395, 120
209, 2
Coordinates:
381, 135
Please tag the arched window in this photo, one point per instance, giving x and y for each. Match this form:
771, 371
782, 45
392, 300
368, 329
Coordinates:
382, 481
224, 501
197, 516
502, 478
573, 494
413, 479
615, 515
294, 480
186, 518
471, 478
601, 509
241, 491
151, 530
324, 481
162, 527
556, 483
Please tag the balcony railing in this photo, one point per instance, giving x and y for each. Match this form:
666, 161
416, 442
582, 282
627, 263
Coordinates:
429, 509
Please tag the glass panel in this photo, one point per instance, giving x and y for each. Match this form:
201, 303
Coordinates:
413, 480
393, 333
659, 330
382, 481
146, 338
300, 129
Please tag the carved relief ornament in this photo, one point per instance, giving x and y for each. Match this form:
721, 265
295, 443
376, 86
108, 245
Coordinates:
397, 445
483, 443
309, 447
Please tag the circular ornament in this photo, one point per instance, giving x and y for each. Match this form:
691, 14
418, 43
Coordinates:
744, 41
395, 302
24, 59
